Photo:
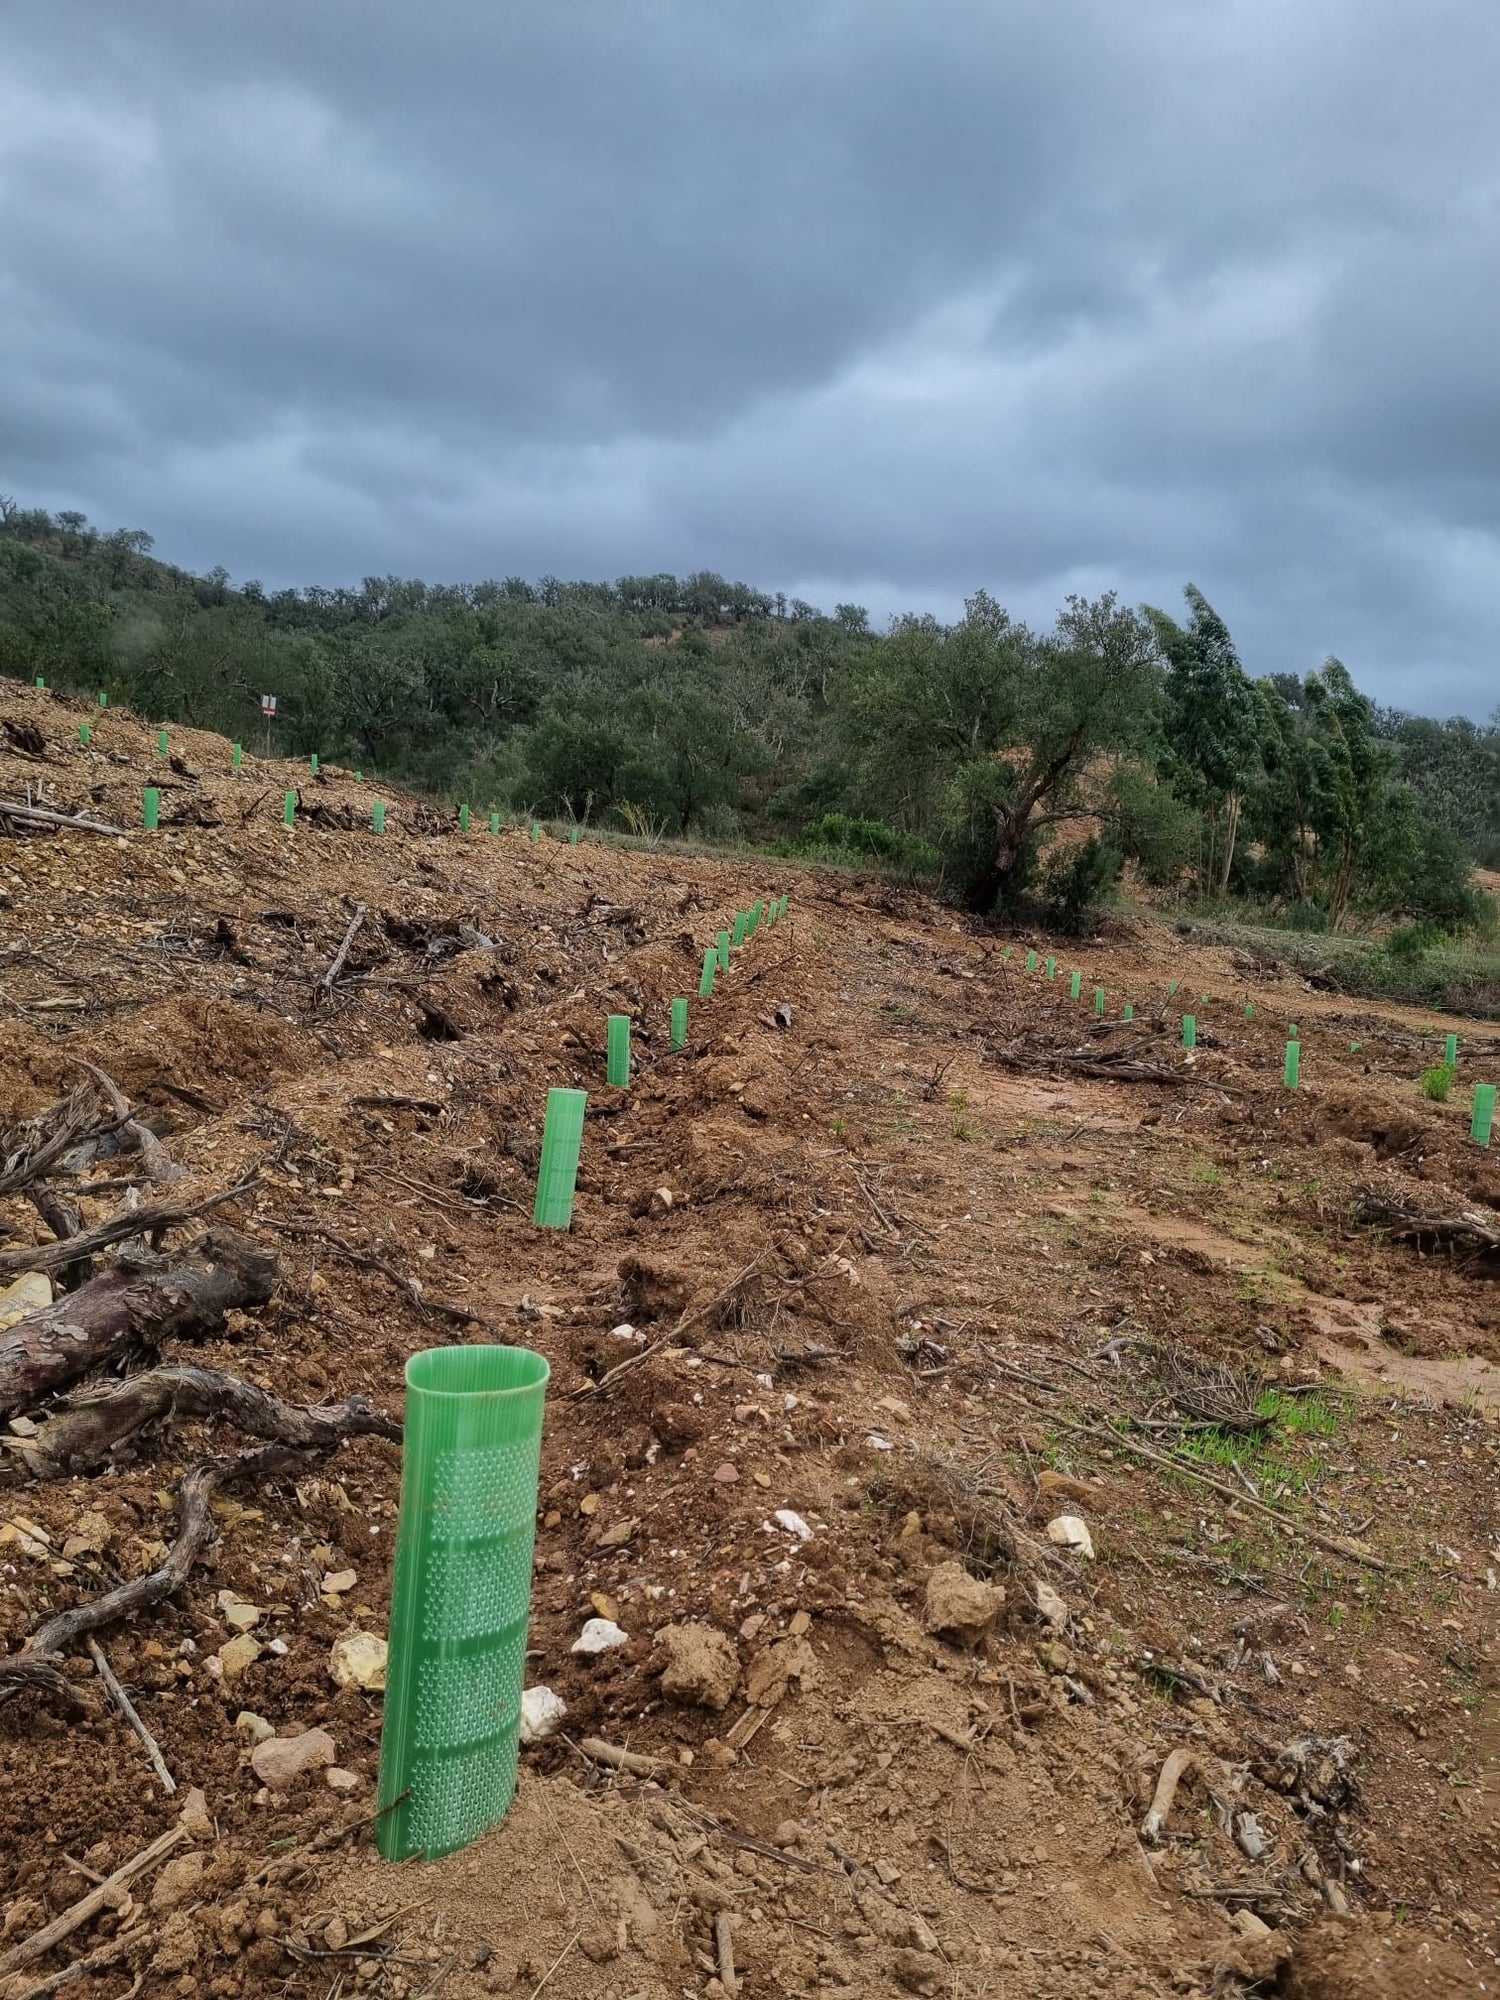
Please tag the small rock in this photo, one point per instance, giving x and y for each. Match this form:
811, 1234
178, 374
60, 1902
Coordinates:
256, 1727
702, 1667
341, 1780
194, 1816
1051, 1607
27, 1536
726, 1474
542, 1714
281, 1760
235, 1655
241, 1617
341, 1580
27, 1295
359, 1659
178, 1882
791, 1524
1069, 1532
959, 1607
335, 1934
787, 1834
617, 1535
90, 1536
912, 1525
599, 1635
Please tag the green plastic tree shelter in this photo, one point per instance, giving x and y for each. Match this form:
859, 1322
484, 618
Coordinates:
679, 1024
1031, 961
706, 982
562, 1135
1450, 1051
1291, 1076
1075, 986
151, 809
494, 822
289, 810
85, 734
1484, 1113
377, 816
1052, 968
237, 755
1129, 1013
739, 930
463, 819
618, 1070
460, 1596
1189, 1031
1098, 999
723, 951
162, 746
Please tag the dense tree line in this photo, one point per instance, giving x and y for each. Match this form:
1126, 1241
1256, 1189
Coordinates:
1013, 764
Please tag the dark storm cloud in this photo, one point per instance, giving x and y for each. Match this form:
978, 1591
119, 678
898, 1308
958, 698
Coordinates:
862, 300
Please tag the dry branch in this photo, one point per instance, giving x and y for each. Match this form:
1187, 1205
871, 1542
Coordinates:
143, 1221
41, 816
128, 1308
1404, 1224
688, 1319
37, 1664
105, 1896
87, 1429
154, 1161
131, 1714
331, 975
366, 1260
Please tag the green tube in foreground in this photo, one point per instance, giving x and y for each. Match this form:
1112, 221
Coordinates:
723, 951
289, 810
460, 1597
1031, 961
1189, 1031
1291, 1076
706, 982
1051, 968
151, 809
1484, 1114
1129, 1014
1075, 986
1098, 999
377, 816
618, 1068
562, 1136
679, 1024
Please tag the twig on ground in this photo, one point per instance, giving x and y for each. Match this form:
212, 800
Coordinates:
688, 1319
42, 1941
41, 816
366, 1260
331, 975
127, 1708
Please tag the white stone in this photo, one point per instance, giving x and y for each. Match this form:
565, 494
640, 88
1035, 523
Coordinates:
1069, 1532
600, 1635
542, 1714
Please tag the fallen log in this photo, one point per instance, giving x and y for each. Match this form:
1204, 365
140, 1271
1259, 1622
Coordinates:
128, 1307
82, 1434
40, 816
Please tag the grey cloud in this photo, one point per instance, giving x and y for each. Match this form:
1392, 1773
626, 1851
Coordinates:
893, 301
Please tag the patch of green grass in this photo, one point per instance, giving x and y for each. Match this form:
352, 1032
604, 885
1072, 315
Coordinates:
1282, 1455
1205, 1171
1437, 1082
965, 1128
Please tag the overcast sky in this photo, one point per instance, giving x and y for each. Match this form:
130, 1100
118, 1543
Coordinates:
859, 299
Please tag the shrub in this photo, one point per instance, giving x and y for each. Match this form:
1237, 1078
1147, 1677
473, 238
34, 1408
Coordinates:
1437, 1082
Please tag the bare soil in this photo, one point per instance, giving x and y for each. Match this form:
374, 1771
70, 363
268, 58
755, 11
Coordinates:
997, 1264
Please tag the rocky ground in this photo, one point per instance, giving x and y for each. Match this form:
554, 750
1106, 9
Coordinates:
1051, 1501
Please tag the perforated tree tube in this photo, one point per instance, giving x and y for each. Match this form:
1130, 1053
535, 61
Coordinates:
1291, 1076
723, 951
151, 809
84, 734
1051, 968
1189, 1031
1075, 986
536, 833
1129, 1013
460, 1596
785, 899
289, 810
679, 1024
739, 929
706, 982
237, 755
1005, 955
463, 819
1171, 989
1484, 1113
562, 1135
313, 763
618, 1069
1249, 1010
1450, 1051
573, 837
162, 745
1098, 999
378, 816
1031, 961
103, 698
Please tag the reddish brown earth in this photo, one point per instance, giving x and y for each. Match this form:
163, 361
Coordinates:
966, 1287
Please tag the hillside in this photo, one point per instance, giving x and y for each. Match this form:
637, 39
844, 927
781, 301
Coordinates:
906, 1243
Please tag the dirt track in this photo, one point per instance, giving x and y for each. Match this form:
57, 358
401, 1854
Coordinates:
971, 1257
